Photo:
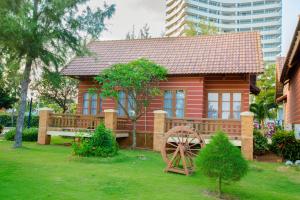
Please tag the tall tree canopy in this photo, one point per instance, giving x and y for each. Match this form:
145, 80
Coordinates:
200, 28
57, 89
138, 80
45, 32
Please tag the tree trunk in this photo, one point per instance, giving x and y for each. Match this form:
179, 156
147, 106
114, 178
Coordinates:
21, 114
220, 187
134, 134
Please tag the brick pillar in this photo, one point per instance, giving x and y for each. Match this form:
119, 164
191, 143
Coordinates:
159, 128
110, 119
44, 117
247, 134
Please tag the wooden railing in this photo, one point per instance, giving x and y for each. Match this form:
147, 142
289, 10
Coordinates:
207, 126
123, 123
75, 121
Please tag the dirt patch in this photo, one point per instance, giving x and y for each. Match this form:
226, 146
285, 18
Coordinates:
269, 157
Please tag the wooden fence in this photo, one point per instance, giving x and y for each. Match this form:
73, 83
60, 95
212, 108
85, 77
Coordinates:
207, 126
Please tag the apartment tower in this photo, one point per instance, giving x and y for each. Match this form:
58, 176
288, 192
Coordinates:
230, 16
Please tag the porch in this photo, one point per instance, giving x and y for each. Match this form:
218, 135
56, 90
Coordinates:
240, 132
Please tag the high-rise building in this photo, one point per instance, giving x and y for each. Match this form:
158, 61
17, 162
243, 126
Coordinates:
264, 16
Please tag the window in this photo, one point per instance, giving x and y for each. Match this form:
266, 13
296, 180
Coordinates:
86, 102
237, 101
94, 104
122, 101
224, 105
168, 97
131, 104
213, 104
174, 103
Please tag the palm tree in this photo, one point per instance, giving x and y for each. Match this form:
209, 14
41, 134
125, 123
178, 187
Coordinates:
262, 111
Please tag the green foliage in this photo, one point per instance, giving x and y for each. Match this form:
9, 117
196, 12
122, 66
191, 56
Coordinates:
1, 128
260, 143
47, 34
138, 79
53, 88
201, 28
266, 83
101, 144
6, 101
285, 144
221, 160
6, 120
262, 111
29, 134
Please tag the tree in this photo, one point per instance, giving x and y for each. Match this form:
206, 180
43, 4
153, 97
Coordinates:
144, 33
139, 80
200, 28
58, 89
220, 159
262, 111
6, 99
46, 32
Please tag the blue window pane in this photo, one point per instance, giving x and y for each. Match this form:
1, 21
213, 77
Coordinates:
131, 105
85, 110
122, 99
94, 104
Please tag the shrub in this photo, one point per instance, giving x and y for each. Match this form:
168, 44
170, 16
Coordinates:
101, 144
1, 128
221, 160
260, 143
6, 121
285, 144
29, 134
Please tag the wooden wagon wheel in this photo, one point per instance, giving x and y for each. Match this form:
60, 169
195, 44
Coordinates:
181, 145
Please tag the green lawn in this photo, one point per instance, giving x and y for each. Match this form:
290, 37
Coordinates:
51, 172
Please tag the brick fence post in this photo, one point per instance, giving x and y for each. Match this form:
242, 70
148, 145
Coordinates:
159, 128
110, 119
44, 120
247, 134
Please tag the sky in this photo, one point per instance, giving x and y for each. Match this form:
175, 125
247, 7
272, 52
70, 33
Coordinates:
152, 12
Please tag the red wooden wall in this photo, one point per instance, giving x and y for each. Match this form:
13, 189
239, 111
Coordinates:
195, 87
293, 98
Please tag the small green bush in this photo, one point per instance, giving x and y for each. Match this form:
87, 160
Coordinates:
260, 143
221, 160
29, 134
101, 144
286, 145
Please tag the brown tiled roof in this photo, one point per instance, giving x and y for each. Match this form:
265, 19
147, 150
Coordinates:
222, 54
279, 66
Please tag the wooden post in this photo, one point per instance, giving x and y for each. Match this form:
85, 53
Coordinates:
159, 129
110, 119
247, 134
44, 120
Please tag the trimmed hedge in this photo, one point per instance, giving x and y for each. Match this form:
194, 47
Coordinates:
286, 145
5, 120
29, 134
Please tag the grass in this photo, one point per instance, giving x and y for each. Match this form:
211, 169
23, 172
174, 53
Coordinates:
50, 172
